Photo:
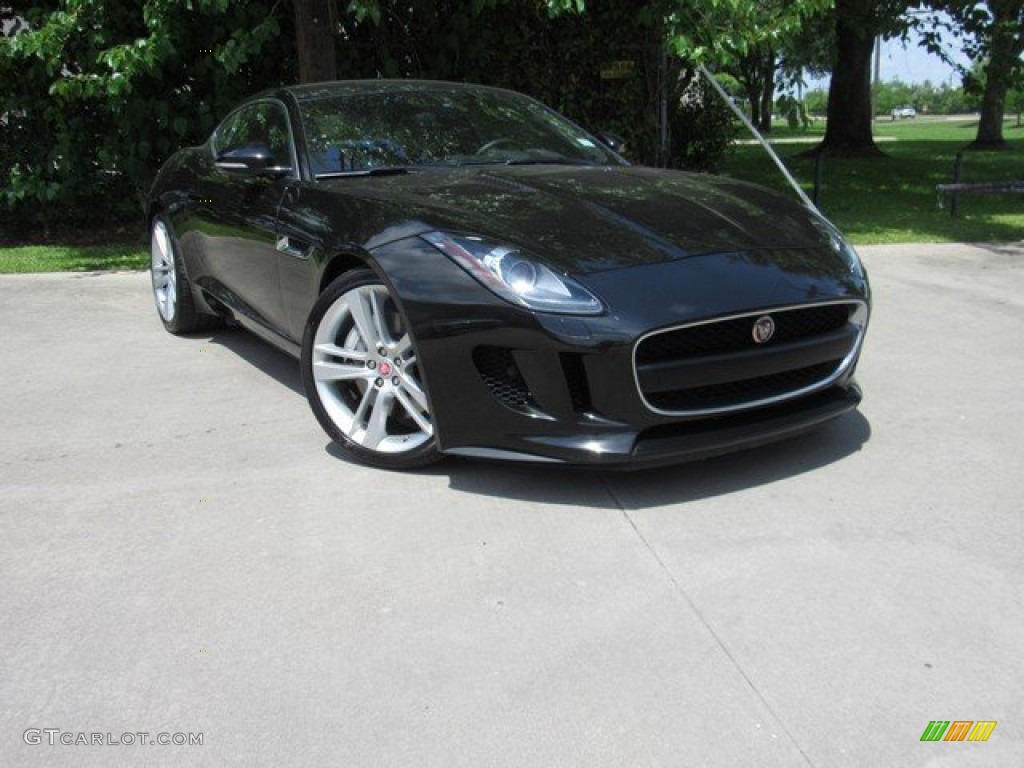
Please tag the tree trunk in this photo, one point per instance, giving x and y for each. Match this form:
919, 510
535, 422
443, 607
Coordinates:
767, 92
756, 73
848, 130
748, 72
1004, 49
754, 97
314, 39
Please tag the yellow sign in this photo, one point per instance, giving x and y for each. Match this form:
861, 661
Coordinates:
618, 70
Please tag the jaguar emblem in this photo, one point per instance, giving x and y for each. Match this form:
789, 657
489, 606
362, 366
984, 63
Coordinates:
764, 329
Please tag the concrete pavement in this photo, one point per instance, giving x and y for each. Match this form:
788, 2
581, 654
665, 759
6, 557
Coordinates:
181, 551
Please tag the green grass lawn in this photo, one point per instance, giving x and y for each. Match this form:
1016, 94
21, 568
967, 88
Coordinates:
72, 258
892, 199
883, 200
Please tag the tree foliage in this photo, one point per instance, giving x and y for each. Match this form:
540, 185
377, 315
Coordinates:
857, 24
97, 93
926, 98
602, 67
993, 34
718, 32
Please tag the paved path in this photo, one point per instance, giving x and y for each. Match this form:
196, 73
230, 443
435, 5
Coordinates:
181, 551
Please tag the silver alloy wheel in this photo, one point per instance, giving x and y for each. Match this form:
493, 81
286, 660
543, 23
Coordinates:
165, 278
365, 372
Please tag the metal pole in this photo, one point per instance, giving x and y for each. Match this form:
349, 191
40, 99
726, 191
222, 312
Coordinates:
819, 173
663, 144
954, 203
878, 78
768, 147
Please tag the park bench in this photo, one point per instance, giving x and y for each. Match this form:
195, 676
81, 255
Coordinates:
957, 188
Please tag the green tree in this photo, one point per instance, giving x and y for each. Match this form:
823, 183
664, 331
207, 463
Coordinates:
816, 101
924, 97
800, 37
1015, 100
994, 34
746, 39
96, 94
811, 46
848, 130
603, 67
755, 69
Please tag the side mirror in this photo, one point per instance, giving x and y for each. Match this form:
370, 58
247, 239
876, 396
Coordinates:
252, 158
613, 141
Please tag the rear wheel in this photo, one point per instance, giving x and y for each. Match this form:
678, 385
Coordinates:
362, 375
172, 292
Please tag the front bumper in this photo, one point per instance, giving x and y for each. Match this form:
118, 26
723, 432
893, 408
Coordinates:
682, 441
505, 383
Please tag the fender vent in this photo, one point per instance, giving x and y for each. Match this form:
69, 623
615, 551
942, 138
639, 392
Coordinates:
576, 381
499, 372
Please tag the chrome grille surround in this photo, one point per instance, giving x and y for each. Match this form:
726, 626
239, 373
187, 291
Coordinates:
858, 318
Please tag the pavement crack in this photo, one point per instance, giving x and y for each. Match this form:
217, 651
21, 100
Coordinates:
681, 591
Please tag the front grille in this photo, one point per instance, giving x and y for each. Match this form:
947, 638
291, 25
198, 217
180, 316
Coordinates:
731, 393
716, 366
734, 334
500, 373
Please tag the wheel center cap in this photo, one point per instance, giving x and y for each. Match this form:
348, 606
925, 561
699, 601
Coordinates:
384, 368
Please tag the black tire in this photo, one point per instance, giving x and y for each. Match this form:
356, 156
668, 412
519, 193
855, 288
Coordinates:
172, 291
362, 376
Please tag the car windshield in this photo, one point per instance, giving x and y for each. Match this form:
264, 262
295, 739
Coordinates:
354, 130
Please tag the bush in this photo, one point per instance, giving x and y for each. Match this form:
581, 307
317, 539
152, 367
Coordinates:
702, 127
96, 94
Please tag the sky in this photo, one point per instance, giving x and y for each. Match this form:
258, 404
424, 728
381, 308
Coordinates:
913, 64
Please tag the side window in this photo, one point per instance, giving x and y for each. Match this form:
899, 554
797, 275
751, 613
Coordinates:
262, 123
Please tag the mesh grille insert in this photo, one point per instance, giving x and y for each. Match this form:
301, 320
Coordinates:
499, 372
734, 334
752, 377
744, 391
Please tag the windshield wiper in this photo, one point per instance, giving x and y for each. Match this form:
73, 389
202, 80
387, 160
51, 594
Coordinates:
384, 170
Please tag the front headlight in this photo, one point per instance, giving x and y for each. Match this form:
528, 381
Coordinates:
514, 276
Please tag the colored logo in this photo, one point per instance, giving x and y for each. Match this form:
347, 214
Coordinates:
958, 730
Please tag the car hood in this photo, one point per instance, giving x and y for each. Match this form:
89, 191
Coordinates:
592, 219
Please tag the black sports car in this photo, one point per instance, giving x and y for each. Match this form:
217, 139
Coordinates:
463, 271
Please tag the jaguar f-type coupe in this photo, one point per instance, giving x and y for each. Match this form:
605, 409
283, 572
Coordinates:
460, 270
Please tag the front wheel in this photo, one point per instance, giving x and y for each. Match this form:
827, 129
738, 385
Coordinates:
171, 290
362, 375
